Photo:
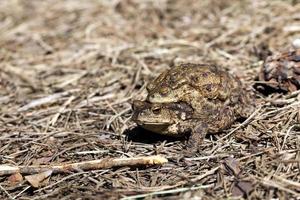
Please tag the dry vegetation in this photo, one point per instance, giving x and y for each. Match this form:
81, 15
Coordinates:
69, 70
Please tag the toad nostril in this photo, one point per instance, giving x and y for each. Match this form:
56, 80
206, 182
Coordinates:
164, 91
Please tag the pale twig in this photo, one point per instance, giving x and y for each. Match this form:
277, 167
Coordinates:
38, 38
96, 99
113, 118
290, 183
56, 116
21, 192
286, 136
168, 192
84, 166
62, 180
4, 99
278, 186
43, 100
5, 191
72, 79
16, 71
196, 179
241, 125
210, 172
90, 152
297, 103
207, 157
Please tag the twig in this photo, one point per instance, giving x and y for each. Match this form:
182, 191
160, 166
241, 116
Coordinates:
42, 101
95, 99
38, 38
241, 125
286, 136
194, 180
278, 186
4, 190
84, 166
114, 117
207, 157
168, 192
21, 74
21, 192
287, 182
297, 103
61, 180
56, 116
210, 172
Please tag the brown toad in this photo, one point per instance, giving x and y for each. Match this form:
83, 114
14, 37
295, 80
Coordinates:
173, 119
192, 98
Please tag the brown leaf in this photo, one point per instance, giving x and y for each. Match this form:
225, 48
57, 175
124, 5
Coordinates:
37, 180
232, 166
242, 188
14, 179
279, 73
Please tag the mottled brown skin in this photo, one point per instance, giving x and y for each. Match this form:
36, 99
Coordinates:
192, 99
205, 87
199, 85
173, 119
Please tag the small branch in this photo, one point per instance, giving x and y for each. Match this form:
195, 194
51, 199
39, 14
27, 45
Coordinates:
270, 183
241, 125
61, 110
84, 166
43, 101
169, 190
164, 192
1, 188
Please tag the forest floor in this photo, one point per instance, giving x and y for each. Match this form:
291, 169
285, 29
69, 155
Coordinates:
69, 71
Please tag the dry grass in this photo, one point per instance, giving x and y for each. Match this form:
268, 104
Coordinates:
69, 70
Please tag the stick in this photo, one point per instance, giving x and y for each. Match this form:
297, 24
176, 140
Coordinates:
61, 110
242, 124
42, 101
84, 166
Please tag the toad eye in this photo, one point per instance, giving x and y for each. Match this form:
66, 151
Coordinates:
156, 110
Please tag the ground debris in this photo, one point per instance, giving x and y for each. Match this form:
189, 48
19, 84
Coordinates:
280, 72
69, 71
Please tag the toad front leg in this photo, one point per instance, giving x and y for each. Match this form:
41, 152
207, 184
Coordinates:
196, 138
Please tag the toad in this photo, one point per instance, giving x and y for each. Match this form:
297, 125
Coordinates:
193, 99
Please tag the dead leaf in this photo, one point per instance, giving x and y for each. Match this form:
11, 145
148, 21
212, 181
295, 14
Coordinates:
14, 179
242, 188
37, 180
279, 73
232, 166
